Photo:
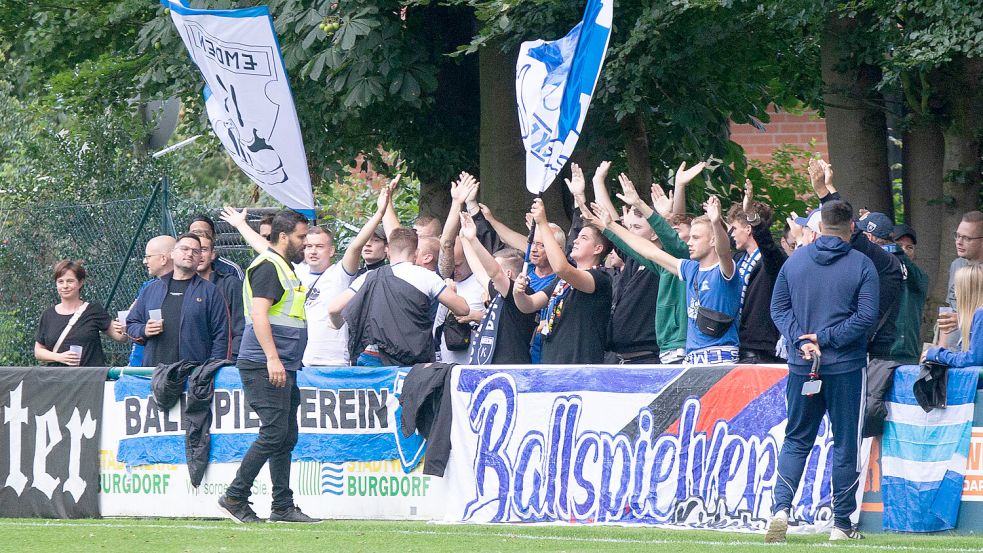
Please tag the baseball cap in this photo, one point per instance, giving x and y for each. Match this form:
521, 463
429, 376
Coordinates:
380, 233
811, 221
879, 225
904, 230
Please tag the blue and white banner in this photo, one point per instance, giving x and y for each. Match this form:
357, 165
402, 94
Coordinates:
924, 455
692, 447
554, 83
346, 414
248, 98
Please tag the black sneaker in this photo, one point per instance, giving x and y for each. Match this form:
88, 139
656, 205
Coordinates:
238, 510
291, 514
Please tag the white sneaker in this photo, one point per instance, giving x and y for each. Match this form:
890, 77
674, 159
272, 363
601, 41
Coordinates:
777, 527
849, 534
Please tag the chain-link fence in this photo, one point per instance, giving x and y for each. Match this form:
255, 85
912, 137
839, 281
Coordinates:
34, 238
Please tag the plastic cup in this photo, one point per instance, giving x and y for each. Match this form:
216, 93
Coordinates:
121, 317
155, 315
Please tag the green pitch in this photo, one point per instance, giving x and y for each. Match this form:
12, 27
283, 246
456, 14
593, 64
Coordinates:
180, 536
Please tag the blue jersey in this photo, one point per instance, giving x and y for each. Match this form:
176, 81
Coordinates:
537, 284
708, 288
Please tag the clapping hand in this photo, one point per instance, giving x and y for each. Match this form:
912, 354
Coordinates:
468, 230
576, 183
661, 202
628, 193
233, 217
712, 209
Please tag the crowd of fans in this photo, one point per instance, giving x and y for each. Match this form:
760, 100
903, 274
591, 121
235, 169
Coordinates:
838, 296
646, 284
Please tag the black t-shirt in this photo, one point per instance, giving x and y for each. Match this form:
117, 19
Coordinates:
515, 330
85, 333
579, 323
169, 341
264, 283
633, 316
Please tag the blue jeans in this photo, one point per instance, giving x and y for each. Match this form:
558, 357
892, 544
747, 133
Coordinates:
277, 411
842, 396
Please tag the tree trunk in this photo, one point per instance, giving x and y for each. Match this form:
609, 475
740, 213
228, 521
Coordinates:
923, 152
637, 150
503, 158
855, 123
960, 91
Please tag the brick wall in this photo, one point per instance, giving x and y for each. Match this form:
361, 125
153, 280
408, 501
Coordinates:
784, 128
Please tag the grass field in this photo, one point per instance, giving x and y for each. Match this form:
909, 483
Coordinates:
179, 536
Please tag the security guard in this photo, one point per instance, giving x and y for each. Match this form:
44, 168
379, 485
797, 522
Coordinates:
269, 358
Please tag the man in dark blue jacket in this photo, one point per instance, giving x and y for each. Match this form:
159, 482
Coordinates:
824, 303
193, 319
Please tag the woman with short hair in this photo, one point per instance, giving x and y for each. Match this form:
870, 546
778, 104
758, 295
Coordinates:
74, 322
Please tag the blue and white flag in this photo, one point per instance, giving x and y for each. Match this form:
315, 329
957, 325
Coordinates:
924, 455
554, 83
248, 98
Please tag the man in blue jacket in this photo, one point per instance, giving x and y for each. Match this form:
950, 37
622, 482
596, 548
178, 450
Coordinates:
193, 324
824, 304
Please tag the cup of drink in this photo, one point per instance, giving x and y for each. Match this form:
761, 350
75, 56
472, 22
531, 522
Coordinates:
121, 317
154, 314
77, 350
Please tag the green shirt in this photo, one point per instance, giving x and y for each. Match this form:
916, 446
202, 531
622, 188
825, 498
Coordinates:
670, 311
908, 345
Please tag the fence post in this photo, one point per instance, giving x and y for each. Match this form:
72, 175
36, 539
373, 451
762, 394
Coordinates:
167, 222
133, 242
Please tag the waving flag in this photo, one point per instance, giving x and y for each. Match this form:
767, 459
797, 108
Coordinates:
554, 83
248, 97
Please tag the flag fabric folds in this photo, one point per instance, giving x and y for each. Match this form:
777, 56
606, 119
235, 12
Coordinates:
554, 83
248, 98
924, 455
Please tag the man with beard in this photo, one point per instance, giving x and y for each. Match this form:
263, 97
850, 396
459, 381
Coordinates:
270, 355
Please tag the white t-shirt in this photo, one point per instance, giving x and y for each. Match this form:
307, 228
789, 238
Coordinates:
326, 347
423, 280
469, 289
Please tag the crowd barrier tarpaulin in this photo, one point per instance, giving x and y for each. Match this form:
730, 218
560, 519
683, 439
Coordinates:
346, 414
683, 446
49, 448
350, 460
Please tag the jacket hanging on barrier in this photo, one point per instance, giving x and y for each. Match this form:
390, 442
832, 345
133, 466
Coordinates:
426, 407
880, 378
930, 386
168, 384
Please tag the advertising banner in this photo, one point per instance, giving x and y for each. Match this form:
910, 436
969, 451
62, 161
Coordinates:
682, 446
49, 447
346, 414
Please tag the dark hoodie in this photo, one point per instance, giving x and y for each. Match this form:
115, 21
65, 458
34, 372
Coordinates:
829, 289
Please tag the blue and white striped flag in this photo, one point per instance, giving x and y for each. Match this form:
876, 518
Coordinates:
247, 96
923, 455
554, 83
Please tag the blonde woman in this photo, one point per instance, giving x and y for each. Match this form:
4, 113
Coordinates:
969, 307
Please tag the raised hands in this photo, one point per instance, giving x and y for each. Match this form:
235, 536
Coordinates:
233, 217
662, 203
795, 229
538, 211
576, 183
589, 219
712, 209
468, 229
386, 195
748, 197
628, 193
601, 173
463, 188
604, 217
684, 176
821, 177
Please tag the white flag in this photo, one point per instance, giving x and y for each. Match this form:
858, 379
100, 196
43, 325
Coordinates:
554, 83
248, 97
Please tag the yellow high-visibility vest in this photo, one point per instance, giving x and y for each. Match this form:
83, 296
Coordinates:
289, 309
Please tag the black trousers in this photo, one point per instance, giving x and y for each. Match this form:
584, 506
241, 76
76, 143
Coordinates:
277, 411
